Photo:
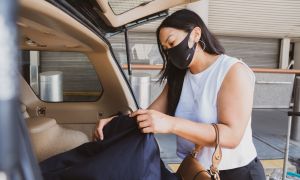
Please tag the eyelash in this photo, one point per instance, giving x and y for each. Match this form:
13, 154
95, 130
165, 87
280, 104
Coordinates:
170, 43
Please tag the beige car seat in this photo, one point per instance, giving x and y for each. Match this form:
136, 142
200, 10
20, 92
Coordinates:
48, 138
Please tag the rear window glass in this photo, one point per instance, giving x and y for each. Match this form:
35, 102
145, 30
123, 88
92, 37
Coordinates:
61, 76
121, 6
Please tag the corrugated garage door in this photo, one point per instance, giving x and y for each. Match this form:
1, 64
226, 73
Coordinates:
80, 81
256, 52
255, 18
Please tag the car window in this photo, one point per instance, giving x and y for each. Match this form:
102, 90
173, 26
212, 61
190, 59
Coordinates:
143, 49
121, 6
61, 76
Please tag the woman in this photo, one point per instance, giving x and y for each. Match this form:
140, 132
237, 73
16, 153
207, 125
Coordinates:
204, 86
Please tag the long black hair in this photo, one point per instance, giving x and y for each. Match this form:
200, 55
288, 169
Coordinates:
185, 20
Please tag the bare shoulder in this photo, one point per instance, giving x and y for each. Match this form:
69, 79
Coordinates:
239, 74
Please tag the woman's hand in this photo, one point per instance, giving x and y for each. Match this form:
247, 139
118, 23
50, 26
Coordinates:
152, 121
98, 133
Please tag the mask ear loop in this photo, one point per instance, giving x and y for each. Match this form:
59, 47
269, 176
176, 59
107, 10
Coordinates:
203, 44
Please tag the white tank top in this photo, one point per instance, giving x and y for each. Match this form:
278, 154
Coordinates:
198, 102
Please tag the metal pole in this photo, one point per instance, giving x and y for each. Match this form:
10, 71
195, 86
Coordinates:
51, 86
8, 88
127, 52
286, 155
295, 131
140, 84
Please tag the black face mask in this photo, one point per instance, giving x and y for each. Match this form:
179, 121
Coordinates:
181, 55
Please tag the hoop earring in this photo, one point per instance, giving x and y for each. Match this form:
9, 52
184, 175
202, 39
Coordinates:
204, 45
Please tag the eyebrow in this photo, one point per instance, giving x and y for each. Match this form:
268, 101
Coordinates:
167, 40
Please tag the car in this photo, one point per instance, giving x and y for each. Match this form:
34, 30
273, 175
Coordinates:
69, 77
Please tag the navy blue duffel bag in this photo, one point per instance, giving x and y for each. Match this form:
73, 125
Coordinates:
125, 154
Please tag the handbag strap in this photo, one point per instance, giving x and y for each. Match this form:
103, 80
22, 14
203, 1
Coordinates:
217, 155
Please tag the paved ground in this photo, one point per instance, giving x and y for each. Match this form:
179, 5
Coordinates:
269, 131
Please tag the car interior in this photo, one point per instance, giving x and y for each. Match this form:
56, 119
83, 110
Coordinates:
56, 127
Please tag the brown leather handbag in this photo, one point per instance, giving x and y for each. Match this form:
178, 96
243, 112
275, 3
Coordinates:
191, 169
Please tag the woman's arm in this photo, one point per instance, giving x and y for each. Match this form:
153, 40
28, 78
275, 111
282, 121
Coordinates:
160, 103
234, 106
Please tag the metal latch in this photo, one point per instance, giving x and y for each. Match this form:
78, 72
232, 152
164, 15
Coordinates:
41, 111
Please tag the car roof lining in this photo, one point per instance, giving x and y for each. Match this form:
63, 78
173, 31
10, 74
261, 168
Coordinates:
52, 26
34, 36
